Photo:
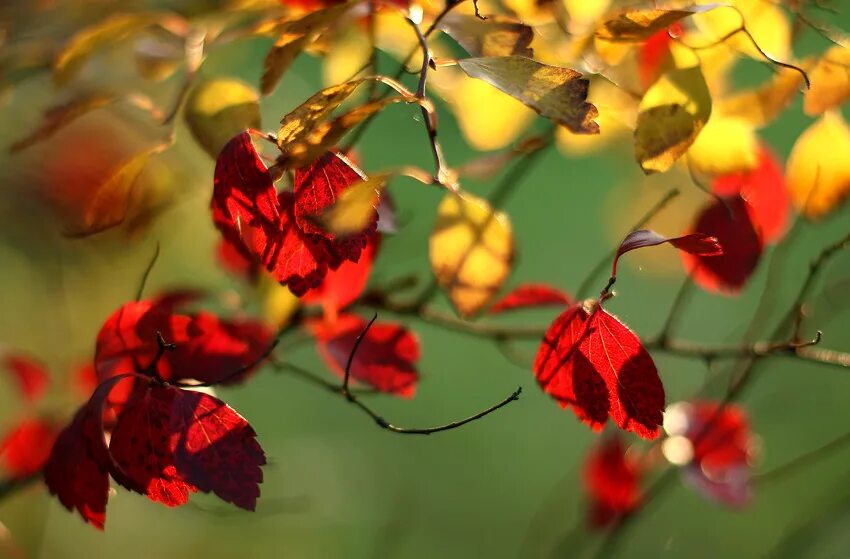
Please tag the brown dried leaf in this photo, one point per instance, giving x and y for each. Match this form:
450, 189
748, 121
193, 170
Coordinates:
559, 94
491, 37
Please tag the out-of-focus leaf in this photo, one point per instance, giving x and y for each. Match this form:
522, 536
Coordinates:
488, 118
559, 94
108, 203
765, 21
471, 250
355, 208
761, 105
278, 303
493, 37
59, 116
639, 25
830, 81
724, 146
695, 243
293, 36
220, 108
672, 114
156, 59
530, 295
101, 34
818, 171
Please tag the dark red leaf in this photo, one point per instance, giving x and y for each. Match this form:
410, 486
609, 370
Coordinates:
25, 448
598, 366
170, 442
386, 358
531, 295
695, 243
343, 286
611, 479
765, 192
729, 221
30, 375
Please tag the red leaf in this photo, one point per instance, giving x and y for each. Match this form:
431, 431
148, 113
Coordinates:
344, 285
25, 448
653, 56
611, 479
598, 366
531, 295
30, 375
281, 231
170, 442
386, 358
765, 192
232, 258
729, 221
695, 243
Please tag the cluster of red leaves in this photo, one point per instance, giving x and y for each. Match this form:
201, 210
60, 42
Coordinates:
165, 441
26, 445
612, 482
280, 231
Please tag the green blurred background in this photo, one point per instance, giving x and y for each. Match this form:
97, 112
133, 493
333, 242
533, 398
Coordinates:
505, 486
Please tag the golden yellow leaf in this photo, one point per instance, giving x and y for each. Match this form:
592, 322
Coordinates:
278, 302
496, 36
471, 251
818, 171
672, 113
102, 34
61, 115
218, 109
298, 123
109, 201
725, 145
765, 21
559, 94
585, 12
488, 118
638, 25
617, 115
763, 104
830, 81
355, 208
350, 55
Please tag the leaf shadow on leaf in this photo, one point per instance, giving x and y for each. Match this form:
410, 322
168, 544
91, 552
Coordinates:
641, 394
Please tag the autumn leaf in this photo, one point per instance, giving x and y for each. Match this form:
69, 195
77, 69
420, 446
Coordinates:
728, 220
106, 32
488, 118
592, 362
761, 105
640, 25
218, 109
611, 479
530, 295
25, 448
385, 359
30, 376
109, 202
559, 94
830, 81
157, 58
766, 22
672, 113
694, 243
471, 251
653, 55
818, 171
494, 37
765, 192
61, 115
301, 120
725, 145
355, 209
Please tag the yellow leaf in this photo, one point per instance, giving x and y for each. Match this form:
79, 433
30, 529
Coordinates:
355, 208
639, 25
278, 302
617, 115
61, 115
559, 94
295, 125
102, 34
585, 12
672, 113
494, 37
830, 81
765, 21
726, 145
109, 201
350, 55
488, 118
471, 251
218, 109
818, 171
761, 105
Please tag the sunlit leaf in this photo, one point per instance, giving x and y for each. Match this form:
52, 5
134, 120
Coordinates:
488, 118
530, 295
471, 251
818, 170
639, 25
101, 34
493, 37
278, 303
559, 94
761, 105
59, 116
725, 145
355, 208
343, 286
217, 109
672, 114
830, 81
109, 201
766, 21
694, 243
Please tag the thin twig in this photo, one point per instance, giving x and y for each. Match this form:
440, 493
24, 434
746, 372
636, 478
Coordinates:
146, 274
